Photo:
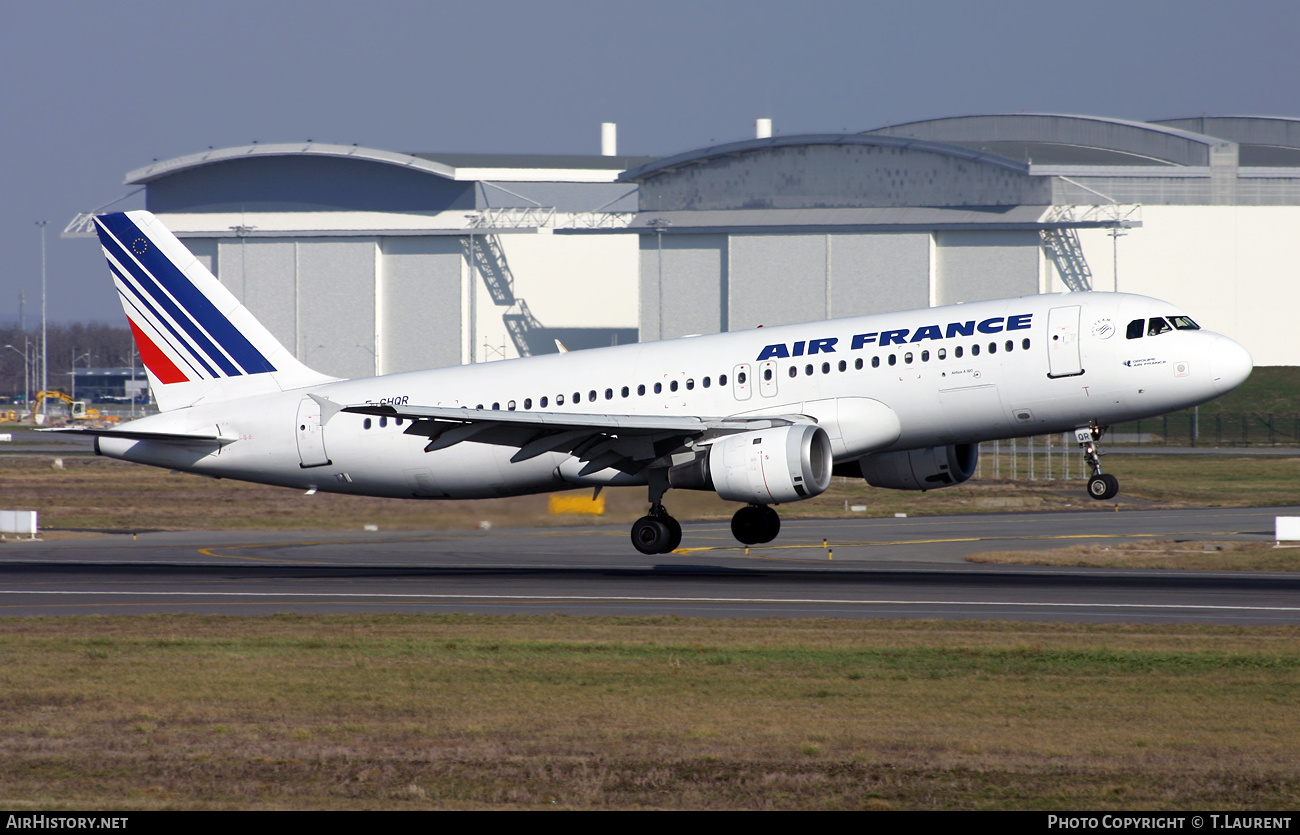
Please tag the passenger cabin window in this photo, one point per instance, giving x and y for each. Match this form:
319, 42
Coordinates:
659, 388
672, 386
1135, 328
722, 379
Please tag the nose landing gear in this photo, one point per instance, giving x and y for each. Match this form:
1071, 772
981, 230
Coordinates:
1101, 486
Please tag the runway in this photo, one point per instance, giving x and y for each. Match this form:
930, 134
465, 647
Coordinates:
868, 568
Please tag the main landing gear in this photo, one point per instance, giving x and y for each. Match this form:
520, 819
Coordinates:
1101, 486
755, 524
657, 533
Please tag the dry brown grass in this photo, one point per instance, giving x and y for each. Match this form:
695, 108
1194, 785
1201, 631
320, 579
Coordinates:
475, 712
1190, 556
90, 493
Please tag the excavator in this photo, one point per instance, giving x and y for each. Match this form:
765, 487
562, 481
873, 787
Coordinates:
77, 409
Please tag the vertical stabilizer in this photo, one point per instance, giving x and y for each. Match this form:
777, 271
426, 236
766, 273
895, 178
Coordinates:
196, 340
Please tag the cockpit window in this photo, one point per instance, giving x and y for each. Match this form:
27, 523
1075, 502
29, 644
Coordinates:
1184, 323
1157, 326
1135, 328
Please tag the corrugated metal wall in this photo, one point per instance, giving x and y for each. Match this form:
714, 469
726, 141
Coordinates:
973, 266
421, 289
717, 282
695, 277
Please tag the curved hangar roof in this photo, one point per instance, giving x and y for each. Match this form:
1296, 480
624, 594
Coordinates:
834, 171
1265, 141
317, 176
1054, 139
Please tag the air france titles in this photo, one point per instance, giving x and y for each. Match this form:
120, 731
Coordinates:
901, 336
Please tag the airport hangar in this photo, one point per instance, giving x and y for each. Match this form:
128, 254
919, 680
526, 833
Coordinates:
365, 261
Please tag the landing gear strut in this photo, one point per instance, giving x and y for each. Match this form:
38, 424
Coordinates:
1101, 486
755, 524
656, 533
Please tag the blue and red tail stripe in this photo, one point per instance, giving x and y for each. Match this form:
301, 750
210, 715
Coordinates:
195, 328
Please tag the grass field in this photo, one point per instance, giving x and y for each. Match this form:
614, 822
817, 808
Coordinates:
407, 712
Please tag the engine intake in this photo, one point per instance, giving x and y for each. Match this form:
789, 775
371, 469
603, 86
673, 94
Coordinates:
768, 466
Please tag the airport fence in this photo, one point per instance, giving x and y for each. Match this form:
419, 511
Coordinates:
1060, 457
1188, 428
1043, 457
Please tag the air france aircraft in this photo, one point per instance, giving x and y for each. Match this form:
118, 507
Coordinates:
761, 417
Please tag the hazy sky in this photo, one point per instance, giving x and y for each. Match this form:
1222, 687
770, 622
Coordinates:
91, 90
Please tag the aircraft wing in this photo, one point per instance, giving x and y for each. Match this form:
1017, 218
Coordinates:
625, 442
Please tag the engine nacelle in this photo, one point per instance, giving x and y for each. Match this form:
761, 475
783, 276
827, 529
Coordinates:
921, 469
769, 466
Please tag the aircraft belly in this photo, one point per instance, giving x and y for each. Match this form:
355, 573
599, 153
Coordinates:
974, 412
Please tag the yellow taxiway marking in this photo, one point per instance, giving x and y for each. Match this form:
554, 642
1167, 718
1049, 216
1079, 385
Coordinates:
883, 543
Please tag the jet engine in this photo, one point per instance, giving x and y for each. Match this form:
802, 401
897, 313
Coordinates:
920, 469
768, 466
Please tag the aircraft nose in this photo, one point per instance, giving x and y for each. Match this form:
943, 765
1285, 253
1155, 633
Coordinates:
1230, 364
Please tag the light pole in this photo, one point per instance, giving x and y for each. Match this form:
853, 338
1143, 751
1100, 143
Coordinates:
72, 371
658, 224
45, 369
27, 374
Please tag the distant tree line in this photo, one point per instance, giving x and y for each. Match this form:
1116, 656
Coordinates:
108, 346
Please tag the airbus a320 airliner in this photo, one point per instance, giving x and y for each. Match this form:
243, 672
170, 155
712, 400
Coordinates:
762, 417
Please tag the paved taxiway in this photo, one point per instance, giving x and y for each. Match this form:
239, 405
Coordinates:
897, 568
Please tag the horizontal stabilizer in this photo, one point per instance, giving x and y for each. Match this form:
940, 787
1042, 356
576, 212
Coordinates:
136, 435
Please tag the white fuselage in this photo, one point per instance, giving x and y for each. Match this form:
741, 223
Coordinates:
957, 374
